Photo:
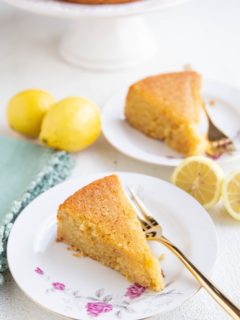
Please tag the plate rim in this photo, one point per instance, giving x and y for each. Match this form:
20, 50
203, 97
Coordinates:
94, 176
171, 162
68, 10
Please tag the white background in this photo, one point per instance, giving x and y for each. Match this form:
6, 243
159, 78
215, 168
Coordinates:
205, 33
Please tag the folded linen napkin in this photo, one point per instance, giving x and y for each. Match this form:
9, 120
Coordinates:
26, 170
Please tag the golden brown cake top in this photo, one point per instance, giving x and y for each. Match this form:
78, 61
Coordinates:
104, 205
175, 93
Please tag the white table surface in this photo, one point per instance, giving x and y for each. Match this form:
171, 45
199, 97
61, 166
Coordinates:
205, 33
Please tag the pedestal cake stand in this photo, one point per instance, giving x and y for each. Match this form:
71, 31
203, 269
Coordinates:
103, 37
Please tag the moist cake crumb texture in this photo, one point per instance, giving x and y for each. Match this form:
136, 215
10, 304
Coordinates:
99, 221
167, 107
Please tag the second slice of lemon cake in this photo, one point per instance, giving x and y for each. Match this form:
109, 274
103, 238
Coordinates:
100, 221
167, 107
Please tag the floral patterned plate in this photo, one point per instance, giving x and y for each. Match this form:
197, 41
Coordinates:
80, 288
223, 106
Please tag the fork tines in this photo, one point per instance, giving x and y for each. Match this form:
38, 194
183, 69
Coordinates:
148, 220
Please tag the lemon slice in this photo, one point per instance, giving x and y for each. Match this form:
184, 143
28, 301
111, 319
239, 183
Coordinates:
201, 177
231, 194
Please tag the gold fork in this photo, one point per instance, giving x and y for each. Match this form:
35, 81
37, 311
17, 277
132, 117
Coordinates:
153, 231
219, 142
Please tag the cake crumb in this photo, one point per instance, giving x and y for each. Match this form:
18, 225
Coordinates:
163, 273
187, 67
77, 252
212, 102
162, 257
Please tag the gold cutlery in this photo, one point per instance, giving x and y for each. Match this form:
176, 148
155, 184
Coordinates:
153, 232
219, 142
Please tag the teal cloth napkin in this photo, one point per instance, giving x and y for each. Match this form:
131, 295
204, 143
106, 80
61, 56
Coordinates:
26, 170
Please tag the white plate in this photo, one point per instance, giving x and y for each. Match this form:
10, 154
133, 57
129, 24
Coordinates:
81, 288
226, 115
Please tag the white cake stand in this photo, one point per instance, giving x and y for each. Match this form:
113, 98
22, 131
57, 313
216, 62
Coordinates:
103, 37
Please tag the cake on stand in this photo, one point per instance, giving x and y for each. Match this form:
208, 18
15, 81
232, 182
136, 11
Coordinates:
103, 37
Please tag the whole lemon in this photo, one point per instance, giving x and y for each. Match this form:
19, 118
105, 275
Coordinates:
71, 124
26, 110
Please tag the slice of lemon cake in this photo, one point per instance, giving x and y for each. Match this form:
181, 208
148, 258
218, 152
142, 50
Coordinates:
168, 107
100, 221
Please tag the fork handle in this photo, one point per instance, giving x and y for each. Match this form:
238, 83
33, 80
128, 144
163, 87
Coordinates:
216, 294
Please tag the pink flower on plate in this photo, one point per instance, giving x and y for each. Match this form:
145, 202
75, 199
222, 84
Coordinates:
216, 156
39, 271
94, 309
134, 291
58, 286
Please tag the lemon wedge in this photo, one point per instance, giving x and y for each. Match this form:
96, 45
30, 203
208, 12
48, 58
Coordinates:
231, 194
202, 178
